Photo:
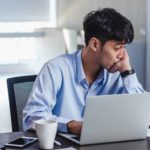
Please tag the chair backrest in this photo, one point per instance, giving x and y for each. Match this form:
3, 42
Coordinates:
19, 89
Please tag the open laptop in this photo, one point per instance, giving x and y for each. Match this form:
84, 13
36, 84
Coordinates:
112, 118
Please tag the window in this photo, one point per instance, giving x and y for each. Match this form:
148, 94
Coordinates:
26, 15
21, 22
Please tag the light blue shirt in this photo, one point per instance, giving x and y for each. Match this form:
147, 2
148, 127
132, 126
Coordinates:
61, 89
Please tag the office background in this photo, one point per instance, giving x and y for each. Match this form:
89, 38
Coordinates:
25, 51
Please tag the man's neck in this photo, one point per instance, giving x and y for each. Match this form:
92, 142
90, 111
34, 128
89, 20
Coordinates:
91, 69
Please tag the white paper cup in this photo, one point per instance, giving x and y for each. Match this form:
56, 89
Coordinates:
46, 132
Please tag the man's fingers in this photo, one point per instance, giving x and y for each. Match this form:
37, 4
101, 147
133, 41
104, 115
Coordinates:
75, 127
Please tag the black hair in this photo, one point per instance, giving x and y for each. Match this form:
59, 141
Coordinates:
107, 24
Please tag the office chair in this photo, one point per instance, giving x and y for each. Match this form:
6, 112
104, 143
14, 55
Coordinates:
19, 89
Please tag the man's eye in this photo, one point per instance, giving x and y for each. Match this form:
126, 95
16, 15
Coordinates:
117, 48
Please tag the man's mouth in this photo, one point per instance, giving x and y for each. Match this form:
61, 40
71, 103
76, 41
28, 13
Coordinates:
109, 69
112, 66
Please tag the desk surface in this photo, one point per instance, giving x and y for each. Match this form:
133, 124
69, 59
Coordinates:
130, 145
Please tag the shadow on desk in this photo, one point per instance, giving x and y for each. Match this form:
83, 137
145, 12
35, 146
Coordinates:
128, 145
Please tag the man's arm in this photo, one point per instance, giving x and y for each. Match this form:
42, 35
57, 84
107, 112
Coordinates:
128, 82
43, 98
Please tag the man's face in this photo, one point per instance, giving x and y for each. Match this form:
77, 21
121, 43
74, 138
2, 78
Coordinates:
110, 54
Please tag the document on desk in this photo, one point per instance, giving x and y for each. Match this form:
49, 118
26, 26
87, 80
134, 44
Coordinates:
67, 148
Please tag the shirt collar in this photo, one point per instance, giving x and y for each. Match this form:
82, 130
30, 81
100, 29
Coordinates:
102, 76
79, 67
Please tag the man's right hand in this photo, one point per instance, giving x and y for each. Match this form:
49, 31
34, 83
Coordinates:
75, 127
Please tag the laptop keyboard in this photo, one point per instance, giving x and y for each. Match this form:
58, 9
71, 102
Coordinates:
76, 138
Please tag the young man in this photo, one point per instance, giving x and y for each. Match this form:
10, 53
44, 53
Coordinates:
101, 67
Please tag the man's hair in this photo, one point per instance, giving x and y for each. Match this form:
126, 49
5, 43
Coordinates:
107, 24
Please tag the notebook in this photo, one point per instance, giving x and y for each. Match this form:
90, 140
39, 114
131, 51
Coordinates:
112, 118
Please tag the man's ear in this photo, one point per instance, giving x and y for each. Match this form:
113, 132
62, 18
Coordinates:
94, 44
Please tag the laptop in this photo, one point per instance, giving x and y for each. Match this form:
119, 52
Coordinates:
112, 118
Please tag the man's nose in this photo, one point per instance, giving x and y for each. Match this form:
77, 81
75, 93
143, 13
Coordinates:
121, 54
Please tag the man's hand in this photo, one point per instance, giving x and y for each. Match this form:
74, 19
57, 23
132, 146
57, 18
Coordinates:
75, 127
123, 64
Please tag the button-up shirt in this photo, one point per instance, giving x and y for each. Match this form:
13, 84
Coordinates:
61, 89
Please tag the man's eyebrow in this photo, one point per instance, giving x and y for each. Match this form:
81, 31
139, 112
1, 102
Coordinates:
119, 43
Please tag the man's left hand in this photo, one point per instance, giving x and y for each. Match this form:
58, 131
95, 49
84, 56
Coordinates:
123, 64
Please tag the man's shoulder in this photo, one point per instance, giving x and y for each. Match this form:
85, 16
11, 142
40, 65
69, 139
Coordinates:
63, 60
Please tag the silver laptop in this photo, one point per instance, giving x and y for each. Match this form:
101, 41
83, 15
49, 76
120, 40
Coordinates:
114, 118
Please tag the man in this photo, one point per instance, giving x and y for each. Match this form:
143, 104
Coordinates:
101, 67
